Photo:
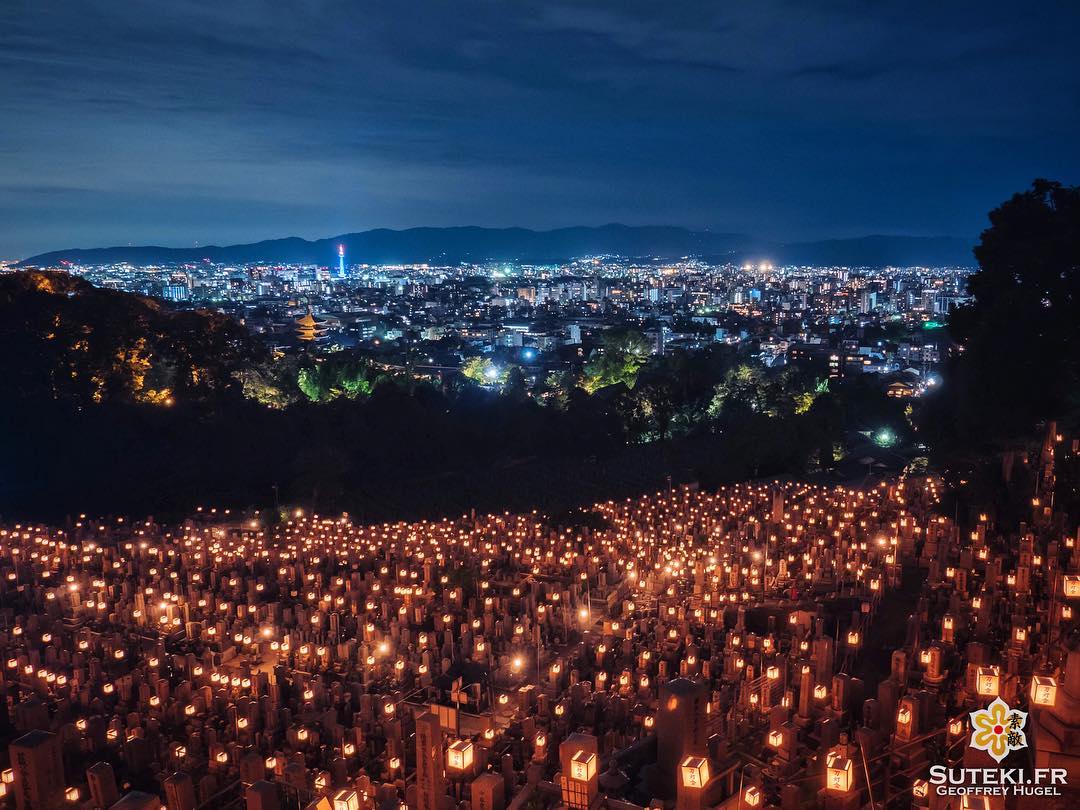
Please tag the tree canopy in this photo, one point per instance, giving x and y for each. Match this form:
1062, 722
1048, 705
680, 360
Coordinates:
1020, 335
333, 429
619, 358
65, 339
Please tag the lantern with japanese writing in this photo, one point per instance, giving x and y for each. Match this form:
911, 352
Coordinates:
695, 772
838, 773
583, 766
346, 800
1043, 690
459, 756
988, 681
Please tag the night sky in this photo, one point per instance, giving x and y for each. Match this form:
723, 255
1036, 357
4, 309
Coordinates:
235, 120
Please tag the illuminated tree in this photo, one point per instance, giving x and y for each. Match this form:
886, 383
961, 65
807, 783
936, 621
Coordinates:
557, 388
335, 377
273, 384
67, 340
619, 359
483, 370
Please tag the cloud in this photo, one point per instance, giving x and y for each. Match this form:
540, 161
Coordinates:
781, 118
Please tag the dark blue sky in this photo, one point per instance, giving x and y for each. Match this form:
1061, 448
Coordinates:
234, 120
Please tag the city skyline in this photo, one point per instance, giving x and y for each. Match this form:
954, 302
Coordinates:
204, 125
539, 405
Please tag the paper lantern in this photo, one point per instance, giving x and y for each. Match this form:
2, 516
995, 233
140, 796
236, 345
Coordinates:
988, 681
346, 800
695, 772
583, 766
459, 756
1043, 690
838, 773
1071, 586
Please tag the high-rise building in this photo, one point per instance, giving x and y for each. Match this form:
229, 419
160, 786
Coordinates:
176, 292
39, 770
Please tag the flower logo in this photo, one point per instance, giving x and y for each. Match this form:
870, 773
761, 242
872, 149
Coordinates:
998, 729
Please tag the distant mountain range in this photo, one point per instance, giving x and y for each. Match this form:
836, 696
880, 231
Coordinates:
474, 244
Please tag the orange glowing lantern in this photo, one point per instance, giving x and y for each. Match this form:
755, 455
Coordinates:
459, 756
988, 681
1043, 690
1071, 586
346, 800
838, 774
582, 766
695, 772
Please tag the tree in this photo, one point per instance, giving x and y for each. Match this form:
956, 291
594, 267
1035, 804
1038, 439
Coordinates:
483, 370
557, 388
336, 376
515, 387
274, 383
66, 340
742, 387
622, 354
1020, 335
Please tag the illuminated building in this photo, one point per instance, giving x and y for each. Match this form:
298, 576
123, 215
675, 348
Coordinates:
309, 329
